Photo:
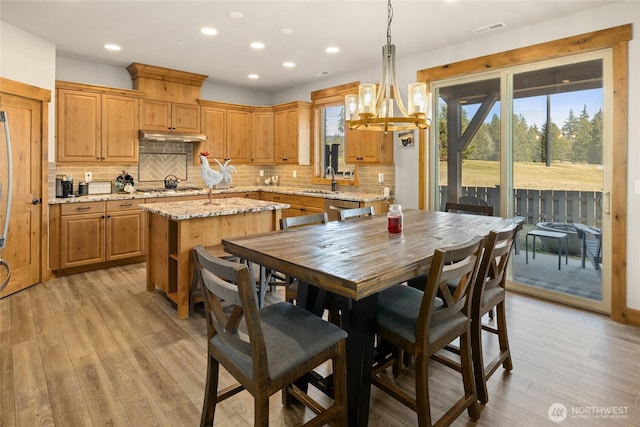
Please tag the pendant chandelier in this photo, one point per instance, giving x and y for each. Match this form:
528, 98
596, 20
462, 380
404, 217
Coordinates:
373, 109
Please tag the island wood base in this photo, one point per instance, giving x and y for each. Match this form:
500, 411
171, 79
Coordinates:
169, 244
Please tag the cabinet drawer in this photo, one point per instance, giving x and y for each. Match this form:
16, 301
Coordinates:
308, 201
275, 197
81, 208
123, 205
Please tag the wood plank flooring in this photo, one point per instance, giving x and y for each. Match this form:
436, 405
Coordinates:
98, 349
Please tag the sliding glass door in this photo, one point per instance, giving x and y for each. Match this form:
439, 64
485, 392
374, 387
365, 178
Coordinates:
545, 166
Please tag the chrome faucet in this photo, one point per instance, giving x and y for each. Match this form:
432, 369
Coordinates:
333, 178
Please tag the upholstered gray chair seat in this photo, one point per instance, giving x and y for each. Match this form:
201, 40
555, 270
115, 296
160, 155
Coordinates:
398, 310
287, 339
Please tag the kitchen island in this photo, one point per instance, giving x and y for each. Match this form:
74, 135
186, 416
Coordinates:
173, 228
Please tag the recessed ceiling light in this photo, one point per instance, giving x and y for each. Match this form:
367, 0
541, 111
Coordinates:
257, 45
286, 31
236, 15
110, 46
208, 31
332, 49
253, 76
288, 64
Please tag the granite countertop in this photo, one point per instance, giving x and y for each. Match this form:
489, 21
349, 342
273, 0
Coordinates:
325, 194
202, 209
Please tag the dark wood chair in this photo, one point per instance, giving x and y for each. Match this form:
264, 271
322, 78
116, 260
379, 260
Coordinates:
468, 209
489, 294
291, 284
356, 212
422, 323
280, 344
195, 293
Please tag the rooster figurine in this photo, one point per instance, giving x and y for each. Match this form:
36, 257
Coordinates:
210, 177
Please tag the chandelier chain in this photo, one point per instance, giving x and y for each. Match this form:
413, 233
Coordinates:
389, 19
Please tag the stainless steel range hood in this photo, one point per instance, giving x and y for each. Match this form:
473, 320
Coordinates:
156, 136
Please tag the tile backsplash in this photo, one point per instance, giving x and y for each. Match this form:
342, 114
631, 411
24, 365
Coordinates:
159, 159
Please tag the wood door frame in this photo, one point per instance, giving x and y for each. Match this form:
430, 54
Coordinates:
42, 96
616, 39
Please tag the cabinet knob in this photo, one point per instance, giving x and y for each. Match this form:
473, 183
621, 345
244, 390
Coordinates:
36, 201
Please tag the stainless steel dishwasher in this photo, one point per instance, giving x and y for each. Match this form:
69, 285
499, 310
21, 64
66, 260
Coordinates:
333, 207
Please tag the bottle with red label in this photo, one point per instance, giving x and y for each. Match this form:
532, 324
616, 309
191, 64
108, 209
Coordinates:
394, 219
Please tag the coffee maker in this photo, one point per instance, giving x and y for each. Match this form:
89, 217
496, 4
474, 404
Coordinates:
64, 186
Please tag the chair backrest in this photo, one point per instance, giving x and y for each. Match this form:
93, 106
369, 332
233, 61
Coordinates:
472, 200
299, 221
495, 258
470, 209
229, 297
452, 277
356, 212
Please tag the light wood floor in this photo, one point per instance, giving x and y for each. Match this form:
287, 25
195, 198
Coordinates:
97, 349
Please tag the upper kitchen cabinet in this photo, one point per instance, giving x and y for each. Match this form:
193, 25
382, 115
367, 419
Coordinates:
363, 146
262, 149
170, 116
96, 124
170, 98
228, 130
292, 130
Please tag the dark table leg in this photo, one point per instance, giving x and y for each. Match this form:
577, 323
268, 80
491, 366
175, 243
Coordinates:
360, 323
359, 320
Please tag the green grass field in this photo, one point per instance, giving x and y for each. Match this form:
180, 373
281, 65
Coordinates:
531, 175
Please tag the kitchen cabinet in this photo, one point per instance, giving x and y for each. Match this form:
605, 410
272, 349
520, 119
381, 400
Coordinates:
95, 124
368, 147
168, 116
300, 205
228, 130
96, 232
292, 133
262, 149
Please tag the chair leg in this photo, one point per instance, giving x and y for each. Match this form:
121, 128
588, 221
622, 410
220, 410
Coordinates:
261, 409
423, 407
503, 338
467, 376
478, 360
210, 393
339, 365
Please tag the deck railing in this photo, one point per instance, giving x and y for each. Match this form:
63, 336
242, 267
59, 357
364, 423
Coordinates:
542, 205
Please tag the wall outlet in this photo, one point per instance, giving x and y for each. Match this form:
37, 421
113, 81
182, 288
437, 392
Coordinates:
380, 177
88, 176
294, 174
261, 172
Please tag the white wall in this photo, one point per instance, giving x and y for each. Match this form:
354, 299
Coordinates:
37, 68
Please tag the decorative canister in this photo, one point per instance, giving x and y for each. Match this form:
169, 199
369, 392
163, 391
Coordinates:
395, 219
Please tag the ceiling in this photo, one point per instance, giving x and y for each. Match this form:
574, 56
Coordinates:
167, 33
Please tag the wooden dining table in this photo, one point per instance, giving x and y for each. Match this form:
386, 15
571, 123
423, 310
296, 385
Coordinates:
354, 260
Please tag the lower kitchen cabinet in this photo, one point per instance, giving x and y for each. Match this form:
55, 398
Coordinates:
94, 232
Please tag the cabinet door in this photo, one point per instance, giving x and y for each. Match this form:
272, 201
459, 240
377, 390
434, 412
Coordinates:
262, 137
82, 239
78, 121
280, 135
156, 115
125, 234
368, 147
185, 118
214, 125
291, 145
120, 129
238, 136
